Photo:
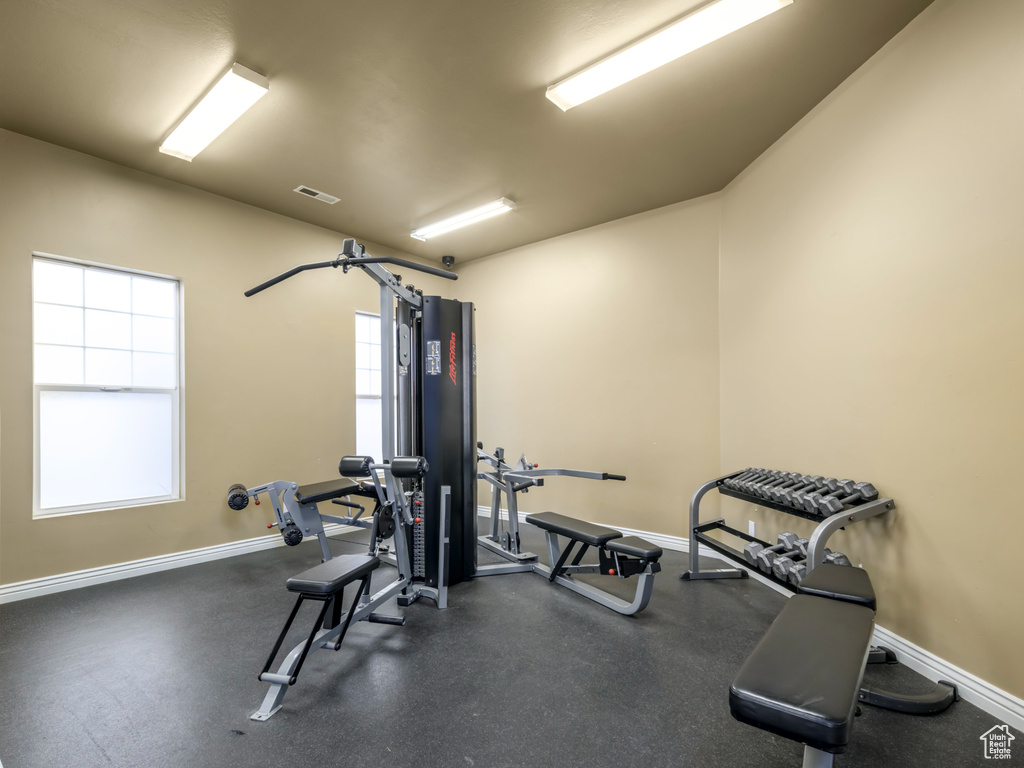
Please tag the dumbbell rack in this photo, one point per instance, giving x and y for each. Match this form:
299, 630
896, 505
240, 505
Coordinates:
815, 547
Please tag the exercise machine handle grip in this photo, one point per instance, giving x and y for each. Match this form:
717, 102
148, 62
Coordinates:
351, 262
291, 273
402, 263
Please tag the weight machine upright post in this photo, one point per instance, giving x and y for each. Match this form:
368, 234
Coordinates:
407, 367
387, 373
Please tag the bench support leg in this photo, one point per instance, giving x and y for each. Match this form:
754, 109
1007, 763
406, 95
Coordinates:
815, 758
939, 699
321, 637
644, 587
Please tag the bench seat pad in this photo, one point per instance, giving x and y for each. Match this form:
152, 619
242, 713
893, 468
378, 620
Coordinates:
588, 533
839, 582
634, 546
332, 576
803, 678
327, 490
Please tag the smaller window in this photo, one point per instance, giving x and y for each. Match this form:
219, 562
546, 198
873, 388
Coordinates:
368, 401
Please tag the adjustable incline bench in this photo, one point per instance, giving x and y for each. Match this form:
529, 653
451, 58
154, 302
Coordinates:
326, 582
804, 679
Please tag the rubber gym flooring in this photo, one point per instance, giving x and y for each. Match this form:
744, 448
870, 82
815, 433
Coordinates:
160, 671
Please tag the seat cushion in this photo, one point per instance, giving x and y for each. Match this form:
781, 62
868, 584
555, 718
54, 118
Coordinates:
332, 576
634, 546
803, 678
588, 533
327, 490
839, 582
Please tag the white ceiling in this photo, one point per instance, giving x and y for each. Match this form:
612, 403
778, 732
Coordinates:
410, 111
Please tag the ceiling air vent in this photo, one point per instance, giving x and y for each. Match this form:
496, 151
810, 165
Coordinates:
317, 194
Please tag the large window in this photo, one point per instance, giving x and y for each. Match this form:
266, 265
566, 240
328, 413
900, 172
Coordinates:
107, 387
368, 410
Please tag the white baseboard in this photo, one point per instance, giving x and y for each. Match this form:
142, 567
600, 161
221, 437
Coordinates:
22, 590
1002, 705
988, 698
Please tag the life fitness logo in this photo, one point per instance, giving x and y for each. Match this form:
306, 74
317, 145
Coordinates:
453, 370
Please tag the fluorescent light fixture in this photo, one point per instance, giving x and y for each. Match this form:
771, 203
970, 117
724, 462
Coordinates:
224, 103
689, 33
464, 219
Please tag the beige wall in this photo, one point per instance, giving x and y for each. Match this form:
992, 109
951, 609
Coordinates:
269, 382
871, 265
868, 312
598, 350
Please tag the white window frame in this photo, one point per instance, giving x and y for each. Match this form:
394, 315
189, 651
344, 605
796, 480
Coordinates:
177, 403
373, 317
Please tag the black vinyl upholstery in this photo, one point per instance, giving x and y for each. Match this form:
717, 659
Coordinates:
355, 466
332, 576
803, 678
634, 546
588, 533
409, 466
329, 489
839, 582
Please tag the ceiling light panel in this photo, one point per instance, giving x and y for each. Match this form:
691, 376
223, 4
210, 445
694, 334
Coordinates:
480, 213
689, 33
225, 102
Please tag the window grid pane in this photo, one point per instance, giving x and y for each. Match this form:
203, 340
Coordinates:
96, 311
367, 355
368, 386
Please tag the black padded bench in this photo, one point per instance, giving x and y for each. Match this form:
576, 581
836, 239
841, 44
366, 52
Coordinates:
324, 583
804, 679
619, 555
330, 490
838, 582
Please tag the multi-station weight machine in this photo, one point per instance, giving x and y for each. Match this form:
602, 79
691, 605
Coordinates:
428, 392
424, 487
428, 424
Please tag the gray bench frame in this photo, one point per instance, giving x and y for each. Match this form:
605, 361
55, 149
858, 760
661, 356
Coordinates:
402, 587
511, 480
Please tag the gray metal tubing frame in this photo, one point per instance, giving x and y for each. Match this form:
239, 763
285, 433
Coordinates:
815, 758
815, 547
513, 480
502, 484
306, 517
280, 680
391, 289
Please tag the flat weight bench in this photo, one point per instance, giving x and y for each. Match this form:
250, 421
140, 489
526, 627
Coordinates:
621, 556
324, 583
804, 679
